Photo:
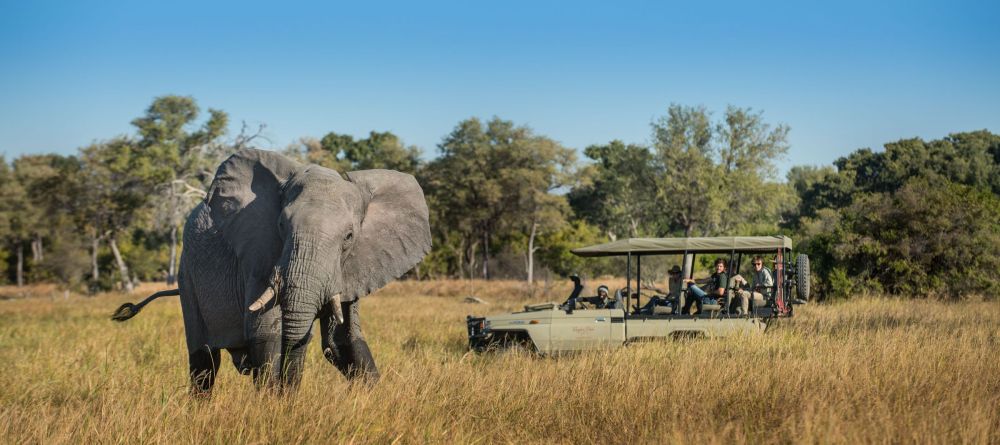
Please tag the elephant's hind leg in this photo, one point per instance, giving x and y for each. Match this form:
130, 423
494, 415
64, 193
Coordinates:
204, 366
344, 345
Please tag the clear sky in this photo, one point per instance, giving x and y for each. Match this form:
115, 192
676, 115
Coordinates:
842, 75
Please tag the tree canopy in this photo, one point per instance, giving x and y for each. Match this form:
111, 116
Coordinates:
915, 218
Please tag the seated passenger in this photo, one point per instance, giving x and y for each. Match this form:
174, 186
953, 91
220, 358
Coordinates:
673, 291
602, 300
762, 284
715, 287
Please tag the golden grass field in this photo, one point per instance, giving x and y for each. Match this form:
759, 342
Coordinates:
870, 370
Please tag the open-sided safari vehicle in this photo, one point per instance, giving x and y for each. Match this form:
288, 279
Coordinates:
583, 323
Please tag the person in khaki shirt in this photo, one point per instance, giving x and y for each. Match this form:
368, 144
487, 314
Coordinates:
762, 284
674, 284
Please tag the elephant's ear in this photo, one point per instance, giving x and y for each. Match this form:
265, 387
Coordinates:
394, 235
244, 203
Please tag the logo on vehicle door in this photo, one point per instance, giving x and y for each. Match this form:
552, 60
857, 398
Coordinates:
583, 329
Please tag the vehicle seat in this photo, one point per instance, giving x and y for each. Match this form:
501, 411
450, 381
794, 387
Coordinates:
662, 310
711, 309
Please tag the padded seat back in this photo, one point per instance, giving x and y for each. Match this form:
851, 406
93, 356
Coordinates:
662, 310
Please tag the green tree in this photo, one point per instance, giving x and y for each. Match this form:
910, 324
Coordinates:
15, 217
115, 185
493, 182
382, 150
834, 234
689, 179
537, 167
185, 154
926, 238
719, 178
748, 149
617, 192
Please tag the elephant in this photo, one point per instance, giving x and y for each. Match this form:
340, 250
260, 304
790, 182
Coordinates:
277, 244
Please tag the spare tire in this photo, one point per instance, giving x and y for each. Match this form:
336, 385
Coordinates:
802, 276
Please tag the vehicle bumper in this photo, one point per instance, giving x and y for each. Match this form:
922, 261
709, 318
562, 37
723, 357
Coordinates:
479, 333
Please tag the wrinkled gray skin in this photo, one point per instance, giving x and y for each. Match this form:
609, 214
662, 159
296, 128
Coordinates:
309, 235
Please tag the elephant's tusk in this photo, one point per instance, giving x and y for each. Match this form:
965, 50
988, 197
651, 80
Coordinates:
264, 298
338, 310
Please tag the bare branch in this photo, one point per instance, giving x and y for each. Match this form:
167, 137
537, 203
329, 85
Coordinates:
191, 191
245, 139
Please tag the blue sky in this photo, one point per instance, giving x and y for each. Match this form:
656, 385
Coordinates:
842, 75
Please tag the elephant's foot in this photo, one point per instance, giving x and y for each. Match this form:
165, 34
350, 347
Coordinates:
204, 366
241, 360
354, 360
363, 366
345, 347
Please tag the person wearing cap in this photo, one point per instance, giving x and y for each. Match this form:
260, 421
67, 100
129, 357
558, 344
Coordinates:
602, 301
674, 284
602, 297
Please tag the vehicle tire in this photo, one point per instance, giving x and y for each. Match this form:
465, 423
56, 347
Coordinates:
517, 343
802, 276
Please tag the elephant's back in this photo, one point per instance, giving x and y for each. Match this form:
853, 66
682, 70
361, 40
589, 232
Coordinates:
209, 277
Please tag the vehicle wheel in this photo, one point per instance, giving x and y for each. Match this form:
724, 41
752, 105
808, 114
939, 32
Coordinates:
802, 276
514, 343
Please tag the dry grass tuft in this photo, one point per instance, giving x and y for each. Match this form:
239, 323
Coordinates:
865, 371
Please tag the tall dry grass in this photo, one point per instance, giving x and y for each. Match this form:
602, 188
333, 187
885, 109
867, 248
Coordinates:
874, 370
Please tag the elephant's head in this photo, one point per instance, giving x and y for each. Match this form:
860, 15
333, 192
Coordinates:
306, 238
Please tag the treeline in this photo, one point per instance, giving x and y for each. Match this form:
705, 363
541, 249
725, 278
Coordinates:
918, 219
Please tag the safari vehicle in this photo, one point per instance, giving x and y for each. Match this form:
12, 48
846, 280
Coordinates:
553, 327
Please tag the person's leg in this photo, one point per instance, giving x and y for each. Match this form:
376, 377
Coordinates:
759, 300
694, 289
648, 307
695, 294
744, 302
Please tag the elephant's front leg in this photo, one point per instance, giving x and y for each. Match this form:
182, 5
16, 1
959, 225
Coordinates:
344, 345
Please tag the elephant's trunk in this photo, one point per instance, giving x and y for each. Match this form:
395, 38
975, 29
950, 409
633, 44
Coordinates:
306, 288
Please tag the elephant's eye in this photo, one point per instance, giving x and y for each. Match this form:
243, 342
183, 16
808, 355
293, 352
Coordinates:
350, 235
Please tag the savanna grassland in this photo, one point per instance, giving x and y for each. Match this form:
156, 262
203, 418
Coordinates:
869, 370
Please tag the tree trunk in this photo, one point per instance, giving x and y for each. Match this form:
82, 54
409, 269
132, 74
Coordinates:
531, 253
486, 254
461, 262
20, 262
122, 267
95, 272
172, 269
37, 255
472, 259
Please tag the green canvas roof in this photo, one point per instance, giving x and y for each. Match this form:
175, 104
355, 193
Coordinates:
667, 246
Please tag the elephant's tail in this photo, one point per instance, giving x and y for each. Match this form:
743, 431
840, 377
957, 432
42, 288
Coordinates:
128, 310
